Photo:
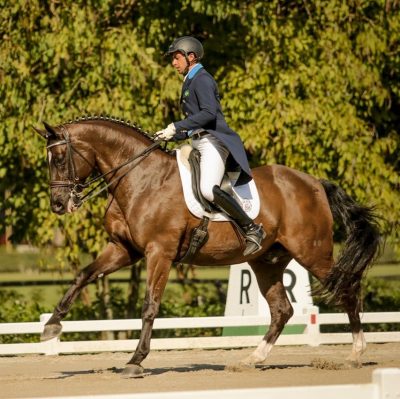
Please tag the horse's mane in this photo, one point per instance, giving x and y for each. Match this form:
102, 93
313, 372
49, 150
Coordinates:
126, 123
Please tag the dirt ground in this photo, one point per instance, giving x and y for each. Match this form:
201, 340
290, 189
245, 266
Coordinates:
51, 376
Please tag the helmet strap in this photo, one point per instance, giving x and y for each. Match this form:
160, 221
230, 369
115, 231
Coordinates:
185, 72
189, 63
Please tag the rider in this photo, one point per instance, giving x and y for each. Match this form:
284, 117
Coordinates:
206, 125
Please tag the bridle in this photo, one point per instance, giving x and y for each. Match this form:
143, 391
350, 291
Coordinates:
73, 181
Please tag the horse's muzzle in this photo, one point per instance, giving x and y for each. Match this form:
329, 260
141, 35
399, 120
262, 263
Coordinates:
58, 207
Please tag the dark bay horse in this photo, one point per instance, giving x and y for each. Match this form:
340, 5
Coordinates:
147, 217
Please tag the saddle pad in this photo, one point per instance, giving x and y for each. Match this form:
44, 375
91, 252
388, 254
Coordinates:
246, 193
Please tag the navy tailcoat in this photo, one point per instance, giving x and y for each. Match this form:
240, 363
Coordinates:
200, 103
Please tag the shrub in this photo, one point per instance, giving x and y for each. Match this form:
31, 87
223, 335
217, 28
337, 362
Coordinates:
15, 308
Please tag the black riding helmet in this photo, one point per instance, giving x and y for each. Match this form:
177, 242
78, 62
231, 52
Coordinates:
186, 45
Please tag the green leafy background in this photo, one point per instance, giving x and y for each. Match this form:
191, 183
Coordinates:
312, 84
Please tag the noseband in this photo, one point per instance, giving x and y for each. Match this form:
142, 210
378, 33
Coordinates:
73, 181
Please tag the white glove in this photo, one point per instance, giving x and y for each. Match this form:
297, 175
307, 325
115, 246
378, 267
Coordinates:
167, 133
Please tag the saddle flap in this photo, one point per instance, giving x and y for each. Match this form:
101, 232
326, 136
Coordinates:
194, 161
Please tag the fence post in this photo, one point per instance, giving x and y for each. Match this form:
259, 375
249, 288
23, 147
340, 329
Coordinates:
312, 328
50, 347
387, 382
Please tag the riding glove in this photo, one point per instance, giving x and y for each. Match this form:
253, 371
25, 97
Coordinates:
167, 133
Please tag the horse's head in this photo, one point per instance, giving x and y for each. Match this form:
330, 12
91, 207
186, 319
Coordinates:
69, 165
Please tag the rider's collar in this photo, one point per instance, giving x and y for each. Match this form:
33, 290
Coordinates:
193, 71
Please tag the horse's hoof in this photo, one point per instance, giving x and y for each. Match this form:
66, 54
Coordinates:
245, 364
51, 331
238, 367
134, 371
353, 364
250, 361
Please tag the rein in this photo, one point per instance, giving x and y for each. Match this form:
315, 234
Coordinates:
73, 184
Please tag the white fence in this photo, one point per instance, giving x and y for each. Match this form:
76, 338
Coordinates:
385, 385
310, 318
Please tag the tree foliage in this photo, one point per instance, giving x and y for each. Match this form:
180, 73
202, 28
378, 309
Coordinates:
311, 84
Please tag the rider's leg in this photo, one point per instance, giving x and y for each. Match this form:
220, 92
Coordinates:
212, 169
213, 156
253, 233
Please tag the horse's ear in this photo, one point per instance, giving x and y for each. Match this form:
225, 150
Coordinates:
50, 131
42, 132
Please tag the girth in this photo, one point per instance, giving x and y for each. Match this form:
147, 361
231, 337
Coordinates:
198, 237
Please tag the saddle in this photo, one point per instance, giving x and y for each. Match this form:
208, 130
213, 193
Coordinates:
194, 162
199, 235
189, 168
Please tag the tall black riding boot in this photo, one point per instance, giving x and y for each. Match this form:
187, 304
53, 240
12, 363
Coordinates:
253, 233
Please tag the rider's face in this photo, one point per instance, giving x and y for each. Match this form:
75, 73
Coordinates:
180, 64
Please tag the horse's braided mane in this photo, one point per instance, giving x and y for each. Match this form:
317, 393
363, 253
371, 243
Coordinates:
122, 122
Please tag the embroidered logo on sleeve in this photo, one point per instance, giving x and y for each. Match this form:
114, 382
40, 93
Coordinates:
186, 93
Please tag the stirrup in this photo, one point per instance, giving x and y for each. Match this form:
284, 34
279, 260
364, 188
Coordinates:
253, 240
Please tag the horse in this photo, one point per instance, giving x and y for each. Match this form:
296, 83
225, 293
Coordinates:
147, 217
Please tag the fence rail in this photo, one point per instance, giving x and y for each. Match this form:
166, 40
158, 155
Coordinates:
310, 318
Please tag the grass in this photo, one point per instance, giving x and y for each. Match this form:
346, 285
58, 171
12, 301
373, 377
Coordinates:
385, 270
34, 265
28, 266
50, 295
213, 273
29, 260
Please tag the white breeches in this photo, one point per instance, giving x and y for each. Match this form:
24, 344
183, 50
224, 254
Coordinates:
212, 163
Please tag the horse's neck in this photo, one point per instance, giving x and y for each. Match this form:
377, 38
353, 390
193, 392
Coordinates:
113, 147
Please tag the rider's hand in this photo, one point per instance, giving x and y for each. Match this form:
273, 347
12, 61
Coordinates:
167, 133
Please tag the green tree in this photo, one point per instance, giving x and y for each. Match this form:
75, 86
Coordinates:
312, 84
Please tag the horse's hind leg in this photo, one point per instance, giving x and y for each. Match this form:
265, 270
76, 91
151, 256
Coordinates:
320, 263
269, 273
351, 307
111, 259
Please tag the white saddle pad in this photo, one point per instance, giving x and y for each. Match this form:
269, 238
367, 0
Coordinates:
246, 194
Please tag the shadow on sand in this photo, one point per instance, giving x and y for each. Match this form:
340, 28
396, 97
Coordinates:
186, 369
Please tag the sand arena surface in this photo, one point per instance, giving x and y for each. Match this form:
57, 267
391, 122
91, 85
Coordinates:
36, 375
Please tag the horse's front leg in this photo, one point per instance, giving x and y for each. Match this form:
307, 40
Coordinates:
158, 267
111, 259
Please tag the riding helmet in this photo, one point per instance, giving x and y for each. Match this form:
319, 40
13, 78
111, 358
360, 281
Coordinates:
186, 45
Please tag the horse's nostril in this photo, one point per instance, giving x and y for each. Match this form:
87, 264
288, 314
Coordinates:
57, 206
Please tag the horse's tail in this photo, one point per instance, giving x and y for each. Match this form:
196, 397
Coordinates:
359, 250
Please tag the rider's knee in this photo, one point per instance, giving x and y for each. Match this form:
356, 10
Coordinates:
207, 191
